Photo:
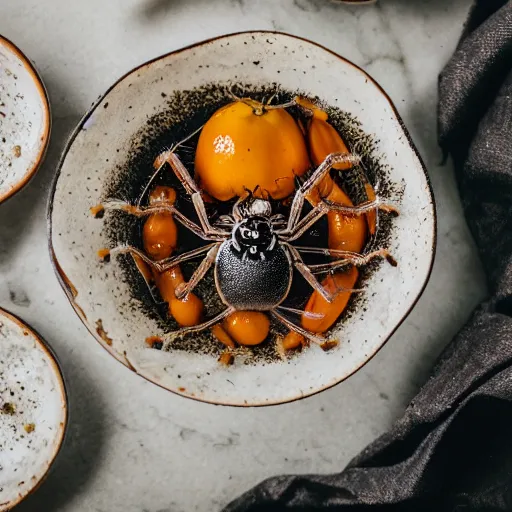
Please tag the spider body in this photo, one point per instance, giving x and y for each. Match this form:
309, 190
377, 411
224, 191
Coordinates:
253, 272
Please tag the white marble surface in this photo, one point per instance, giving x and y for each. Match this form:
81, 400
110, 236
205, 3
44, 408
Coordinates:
133, 447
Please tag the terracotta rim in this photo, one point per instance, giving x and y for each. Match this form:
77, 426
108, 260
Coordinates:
68, 287
43, 94
64, 396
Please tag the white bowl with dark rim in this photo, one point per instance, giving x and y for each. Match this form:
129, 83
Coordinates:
33, 410
25, 120
110, 154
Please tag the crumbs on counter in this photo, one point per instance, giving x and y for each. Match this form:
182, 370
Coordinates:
17, 151
29, 428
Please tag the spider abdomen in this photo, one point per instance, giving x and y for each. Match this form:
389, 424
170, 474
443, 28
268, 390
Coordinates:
252, 284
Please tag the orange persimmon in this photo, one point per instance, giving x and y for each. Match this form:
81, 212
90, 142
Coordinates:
246, 145
247, 327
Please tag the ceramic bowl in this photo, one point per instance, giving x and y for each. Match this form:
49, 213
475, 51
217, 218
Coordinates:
24, 120
33, 410
125, 122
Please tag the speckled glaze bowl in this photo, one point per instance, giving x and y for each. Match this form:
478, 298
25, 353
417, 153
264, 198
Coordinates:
355, 2
24, 120
33, 410
118, 139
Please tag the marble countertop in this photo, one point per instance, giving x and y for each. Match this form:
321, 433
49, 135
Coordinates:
133, 447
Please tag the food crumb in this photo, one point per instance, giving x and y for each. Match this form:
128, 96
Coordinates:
97, 211
29, 428
17, 151
9, 408
227, 358
155, 342
102, 333
104, 255
328, 345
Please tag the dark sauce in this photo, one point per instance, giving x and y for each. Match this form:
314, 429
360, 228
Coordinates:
183, 113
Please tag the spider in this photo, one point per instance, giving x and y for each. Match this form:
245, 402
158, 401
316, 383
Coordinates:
252, 248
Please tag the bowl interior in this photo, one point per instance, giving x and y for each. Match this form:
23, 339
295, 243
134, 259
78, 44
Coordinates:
125, 120
24, 120
32, 410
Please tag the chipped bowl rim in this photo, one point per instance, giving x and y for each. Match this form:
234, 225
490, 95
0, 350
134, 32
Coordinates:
45, 101
68, 286
57, 370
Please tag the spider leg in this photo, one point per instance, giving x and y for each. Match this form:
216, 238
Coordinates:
324, 207
184, 289
162, 265
307, 314
237, 214
159, 162
210, 231
191, 188
196, 328
181, 172
310, 277
317, 176
347, 258
304, 224
360, 209
144, 211
295, 211
315, 338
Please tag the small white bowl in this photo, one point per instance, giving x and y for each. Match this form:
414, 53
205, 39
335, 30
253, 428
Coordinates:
123, 121
33, 410
24, 120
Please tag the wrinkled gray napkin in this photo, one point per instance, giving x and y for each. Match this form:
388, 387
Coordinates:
452, 450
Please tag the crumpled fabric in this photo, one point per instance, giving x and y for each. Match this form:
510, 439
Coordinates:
452, 449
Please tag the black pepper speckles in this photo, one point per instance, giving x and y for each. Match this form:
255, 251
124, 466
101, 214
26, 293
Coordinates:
182, 113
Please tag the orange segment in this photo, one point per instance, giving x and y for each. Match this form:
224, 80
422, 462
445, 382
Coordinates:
160, 235
331, 311
346, 233
317, 112
323, 139
293, 340
187, 311
219, 332
143, 268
